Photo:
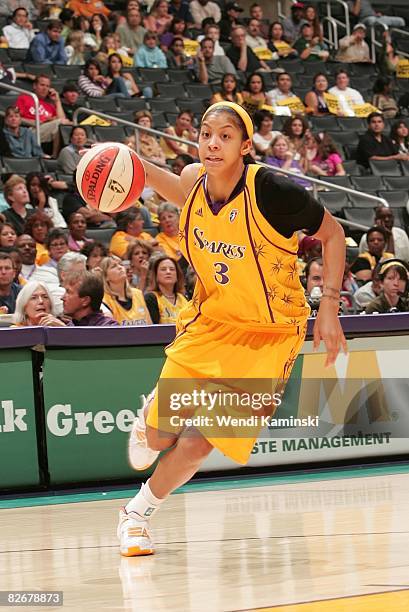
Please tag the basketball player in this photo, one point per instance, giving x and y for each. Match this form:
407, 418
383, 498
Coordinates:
247, 318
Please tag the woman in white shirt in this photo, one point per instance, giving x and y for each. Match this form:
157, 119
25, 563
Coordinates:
347, 97
40, 198
264, 134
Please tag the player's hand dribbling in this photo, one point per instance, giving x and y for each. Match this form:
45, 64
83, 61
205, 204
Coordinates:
328, 329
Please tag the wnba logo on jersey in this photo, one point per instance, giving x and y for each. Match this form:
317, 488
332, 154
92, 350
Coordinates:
233, 215
231, 251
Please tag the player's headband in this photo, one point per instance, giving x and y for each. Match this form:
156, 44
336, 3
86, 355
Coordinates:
244, 116
390, 263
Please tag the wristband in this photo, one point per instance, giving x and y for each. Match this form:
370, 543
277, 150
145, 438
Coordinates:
331, 289
330, 297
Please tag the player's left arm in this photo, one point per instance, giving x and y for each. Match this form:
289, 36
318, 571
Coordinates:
327, 326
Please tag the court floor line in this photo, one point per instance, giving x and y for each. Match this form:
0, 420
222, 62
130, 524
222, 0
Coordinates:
240, 482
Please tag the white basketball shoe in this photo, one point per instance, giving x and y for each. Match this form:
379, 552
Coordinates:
139, 454
133, 534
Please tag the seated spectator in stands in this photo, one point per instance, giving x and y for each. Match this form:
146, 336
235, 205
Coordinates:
369, 291
8, 6
82, 300
115, 73
95, 253
17, 197
19, 33
328, 161
149, 146
184, 129
397, 239
241, 55
138, 255
125, 303
48, 47
98, 29
388, 58
34, 302
168, 238
165, 294
112, 44
8, 235
292, 24
38, 225
57, 246
354, 48
256, 12
95, 85
309, 47
230, 19
69, 98
51, 112
280, 155
75, 48
176, 56
212, 30
149, 55
77, 226
67, 19
282, 90
276, 43
180, 9
39, 189
383, 100
129, 227
229, 90
364, 12
69, 156
201, 9
375, 145
400, 136
180, 162
311, 17
315, 99
87, 8
210, 68
26, 246
313, 275
365, 262
264, 133
132, 32
159, 20
9, 290
347, 97
393, 296
254, 38
295, 128
73, 201
21, 140
254, 93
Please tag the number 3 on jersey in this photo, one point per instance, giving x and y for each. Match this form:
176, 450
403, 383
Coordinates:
221, 273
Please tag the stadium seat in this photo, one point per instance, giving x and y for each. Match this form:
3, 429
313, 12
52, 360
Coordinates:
344, 138
4, 56
111, 133
343, 181
180, 76
18, 55
156, 75
132, 104
65, 131
328, 122
397, 182
163, 105
68, 178
22, 165
40, 69
352, 123
197, 90
295, 66
385, 167
364, 216
102, 104
350, 151
194, 105
169, 90
313, 68
405, 168
358, 200
70, 73
364, 69
334, 201
362, 82
395, 199
159, 121
6, 100
301, 80
100, 235
367, 183
49, 165
352, 168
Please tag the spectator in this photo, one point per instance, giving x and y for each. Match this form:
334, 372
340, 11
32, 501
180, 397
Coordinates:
20, 140
280, 155
129, 228
159, 19
256, 12
314, 276
328, 161
276, 43
315, 99
98, 29
138, 255
73, 201
243, 58
50, 110
254, 93
363, 11
82, 24
75, 48
292, 25
34, 302
311, 17
87, 8
83, 298
70, 156
176, 57
228, 90
8, 6
39, 189
17, 197
149, 55
254, 38
115, 73
180, 9
264, 134
48, 47
309, 47
366, 262
69, 98
67, 19
393, 296
295, 128
77, 226
369, 291
388, 58
397, 241
95, 253
201, 9
383, 100
8, 235
212, 30
183, 129
180, 162
375, 145
164, 297
168, 238
19, 34
132, 32
149, 146
93, 84
112, 44
230, 20
400, 137
9, 290
126, 304
347, 97
354, 48
38, 226
210, 68
282, 90
26, 247
57, 246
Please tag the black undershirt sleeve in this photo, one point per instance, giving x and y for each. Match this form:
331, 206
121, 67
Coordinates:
286, 206
153, 307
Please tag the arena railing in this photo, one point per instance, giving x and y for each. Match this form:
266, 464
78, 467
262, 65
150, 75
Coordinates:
375, 43
332, 39
314, 181
36, 106
347, 24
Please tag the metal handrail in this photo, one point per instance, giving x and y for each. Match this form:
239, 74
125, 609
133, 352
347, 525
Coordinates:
376, 43
332, 33
36, 106
347, 24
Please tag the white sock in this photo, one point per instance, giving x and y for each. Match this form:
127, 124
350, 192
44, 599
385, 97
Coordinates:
144, 504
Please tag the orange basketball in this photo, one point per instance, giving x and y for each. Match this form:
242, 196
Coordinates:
110, 177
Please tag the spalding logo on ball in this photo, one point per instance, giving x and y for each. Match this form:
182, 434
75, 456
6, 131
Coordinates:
110, 177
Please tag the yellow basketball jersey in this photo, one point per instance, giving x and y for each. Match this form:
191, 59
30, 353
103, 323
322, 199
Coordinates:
138, 314
247, 271
168, 312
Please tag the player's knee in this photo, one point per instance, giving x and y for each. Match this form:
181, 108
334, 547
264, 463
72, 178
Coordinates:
195, 448
158, 441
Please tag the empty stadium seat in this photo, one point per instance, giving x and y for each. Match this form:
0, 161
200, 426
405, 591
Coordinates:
180, 76
70, 73
344, 138
18, 55
40, 69
343, 181
328, 122
109, 133
395, 199
157, 75
359, 200
397, 182
159, 121
105, 105
100, 235
352, 123
197, 90
163, 105
22, 165
385, 167
6, 100
313, 68
367, 183
132, 104
292, 66
350, 151
351, 167
334, 201
363, 216
405, 168
194, 105
49, 165
169, 90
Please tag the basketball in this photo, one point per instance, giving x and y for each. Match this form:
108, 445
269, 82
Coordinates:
110, 177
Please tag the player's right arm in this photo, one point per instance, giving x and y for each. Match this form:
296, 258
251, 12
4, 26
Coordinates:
171, 187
